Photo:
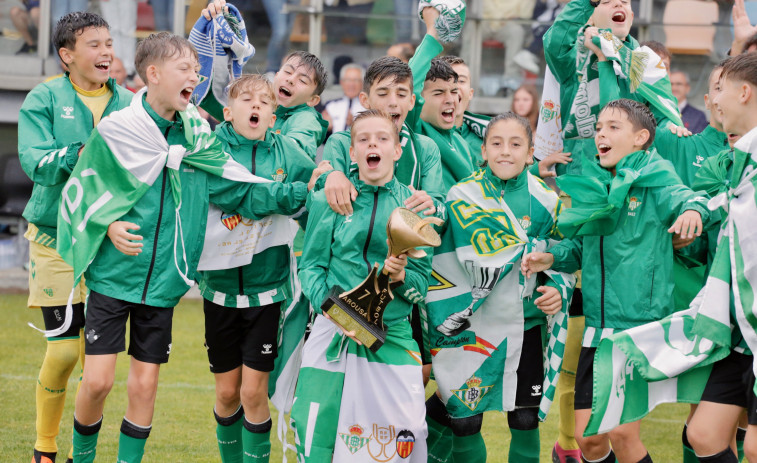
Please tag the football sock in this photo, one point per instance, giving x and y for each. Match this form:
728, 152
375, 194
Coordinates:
60, 359
524, 446
43, 457
439, 441
566, 385
469, 449
740, 436
131, 442
85, 441
725, 456
229, 435
688, 453
646, 459
256, 440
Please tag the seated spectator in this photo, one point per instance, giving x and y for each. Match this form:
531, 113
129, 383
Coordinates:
404, 51
526, 104
26, 21
693, 119
340, 112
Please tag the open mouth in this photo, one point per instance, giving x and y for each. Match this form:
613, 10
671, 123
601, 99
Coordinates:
285, 92
373, 160
395, 118
103, 66
186, 93
619, 17
733, 138
448, 114
254, 120
603, 149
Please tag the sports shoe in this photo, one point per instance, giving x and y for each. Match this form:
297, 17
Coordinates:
560, 455
527, 61
27, 49
43, 457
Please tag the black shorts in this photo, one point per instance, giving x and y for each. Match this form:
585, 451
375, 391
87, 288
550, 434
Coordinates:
584, 378
149, 328
731, 382
55, 316
418, 337
530, 369
235, 336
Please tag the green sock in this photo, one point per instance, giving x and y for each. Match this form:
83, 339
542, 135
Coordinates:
469, 449
256, 439
740, 435
439, 441
435, 431
440, 451
689, 456
524, 446
229, 435
85, 441
131, 442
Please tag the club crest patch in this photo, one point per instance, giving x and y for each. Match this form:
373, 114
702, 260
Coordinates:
472, 393
230, 221
354, 439
548, 111
279, 176
405, 443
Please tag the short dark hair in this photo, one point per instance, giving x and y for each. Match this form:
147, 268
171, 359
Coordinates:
385, 67
374, 113
640, 117
72, 25
452, 60
511, 116
658, 48
407, 50
741, 67
440, 69
160, 47
311, 63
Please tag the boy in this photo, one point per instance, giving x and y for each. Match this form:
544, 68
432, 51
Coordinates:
729, 389
621, 209
242, 305
150, 139
54, 122
344, 396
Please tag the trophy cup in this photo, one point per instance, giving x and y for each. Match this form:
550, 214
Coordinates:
361, 309
483, 280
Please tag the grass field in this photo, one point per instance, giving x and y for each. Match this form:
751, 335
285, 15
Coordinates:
184, 428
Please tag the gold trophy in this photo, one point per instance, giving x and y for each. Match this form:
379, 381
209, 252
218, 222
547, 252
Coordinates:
362, 309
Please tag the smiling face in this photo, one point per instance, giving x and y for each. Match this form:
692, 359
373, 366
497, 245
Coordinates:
375, 148
90, 59
731, 105
392, 97
170, 83
442, 101
616, 137
616, 15
251, 112
506, 149
713, 89
295, 84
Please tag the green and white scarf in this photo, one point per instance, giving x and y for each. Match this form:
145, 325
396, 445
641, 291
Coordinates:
641, 66
123, 157
477, 266
451, 18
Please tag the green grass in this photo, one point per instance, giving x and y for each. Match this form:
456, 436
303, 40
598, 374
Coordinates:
183, 427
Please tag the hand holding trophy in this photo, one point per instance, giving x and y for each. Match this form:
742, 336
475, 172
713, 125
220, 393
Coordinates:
361, 309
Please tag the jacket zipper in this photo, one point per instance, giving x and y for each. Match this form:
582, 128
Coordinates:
254, 153
240, 272
155, 240
602, 269
370, 230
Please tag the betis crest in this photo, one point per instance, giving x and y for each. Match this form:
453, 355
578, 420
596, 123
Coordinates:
354, 440
472, 393
279, 176
633, 203
548, 111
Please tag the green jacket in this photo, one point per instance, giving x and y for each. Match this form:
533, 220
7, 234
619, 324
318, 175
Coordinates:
456, 160
152, 275
423, 173
52, 125
341, 250
304, 125
472, 131
627, 276
266, 279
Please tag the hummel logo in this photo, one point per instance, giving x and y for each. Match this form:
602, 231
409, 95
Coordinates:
68, 110
267, 349
537, 390
348, 219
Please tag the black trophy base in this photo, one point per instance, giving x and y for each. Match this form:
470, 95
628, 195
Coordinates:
346, 316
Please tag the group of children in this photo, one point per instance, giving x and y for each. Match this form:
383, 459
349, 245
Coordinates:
128, 187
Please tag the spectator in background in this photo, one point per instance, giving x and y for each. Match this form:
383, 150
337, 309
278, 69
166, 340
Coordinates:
693, 119
545, 12
661, 51
118, 71
403, 50
162, 10
59, 8
281, 26
26, 21
526, 104
403, 25
340, 112
122, 17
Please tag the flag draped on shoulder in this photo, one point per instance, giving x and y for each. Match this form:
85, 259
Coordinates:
122, 159
476, 296
640, 66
